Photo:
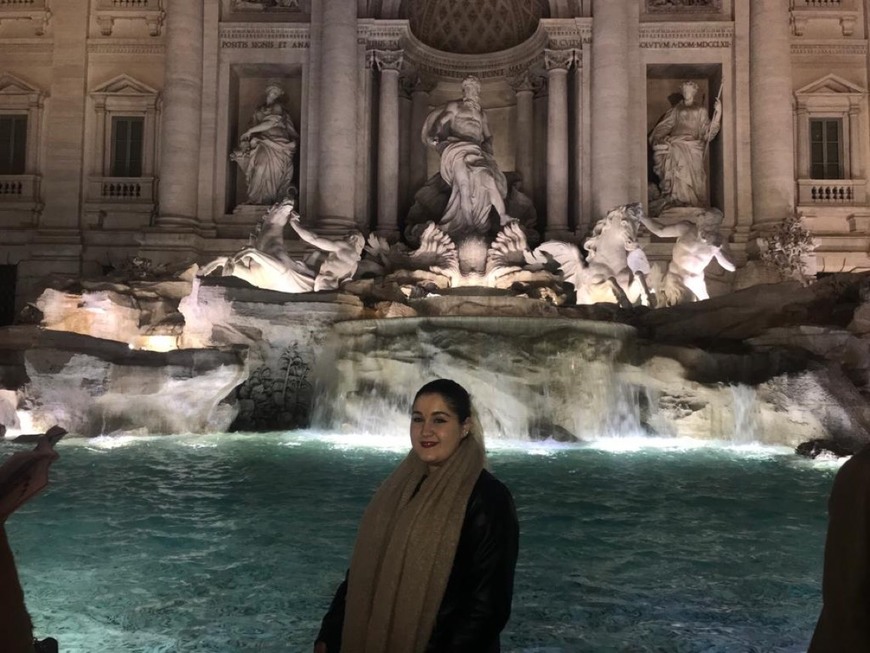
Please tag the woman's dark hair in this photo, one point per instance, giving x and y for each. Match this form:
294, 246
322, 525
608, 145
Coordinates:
454, 395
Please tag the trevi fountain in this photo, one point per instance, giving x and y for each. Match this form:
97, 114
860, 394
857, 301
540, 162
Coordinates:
664, 332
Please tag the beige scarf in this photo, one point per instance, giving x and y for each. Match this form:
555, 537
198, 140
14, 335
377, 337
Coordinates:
404, 553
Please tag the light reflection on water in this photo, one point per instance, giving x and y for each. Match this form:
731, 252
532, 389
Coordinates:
235, 542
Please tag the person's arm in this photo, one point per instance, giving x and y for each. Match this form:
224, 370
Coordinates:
663, 128
265, 123
486, 145
493, 533
434, 125
312, 238
329, 638
724, 261
663, 231
715, 121
23, 475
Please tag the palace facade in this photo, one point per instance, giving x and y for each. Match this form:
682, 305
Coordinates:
118, 117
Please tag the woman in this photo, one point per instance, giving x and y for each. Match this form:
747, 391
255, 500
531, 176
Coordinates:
433, 566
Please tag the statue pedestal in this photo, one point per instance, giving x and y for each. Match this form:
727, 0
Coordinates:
675, 214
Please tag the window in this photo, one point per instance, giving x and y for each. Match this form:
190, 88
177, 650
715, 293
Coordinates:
127, 142
826, 138
13, 144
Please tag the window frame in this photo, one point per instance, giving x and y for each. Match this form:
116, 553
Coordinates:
22, 163
129, 165
839, 143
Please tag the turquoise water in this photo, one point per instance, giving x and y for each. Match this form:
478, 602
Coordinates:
235, 543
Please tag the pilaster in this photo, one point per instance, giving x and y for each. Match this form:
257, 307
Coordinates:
557, 63
389, 63
182, 106
773, 184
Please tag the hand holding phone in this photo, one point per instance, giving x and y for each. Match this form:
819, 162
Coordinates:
23, 475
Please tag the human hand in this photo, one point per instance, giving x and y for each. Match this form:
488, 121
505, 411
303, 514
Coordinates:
320, 647
717, 107
23, 475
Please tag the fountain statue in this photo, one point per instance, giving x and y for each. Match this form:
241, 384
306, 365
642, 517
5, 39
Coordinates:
698, 244
265, 263
266, 150
680, 142
615, 263
459, 132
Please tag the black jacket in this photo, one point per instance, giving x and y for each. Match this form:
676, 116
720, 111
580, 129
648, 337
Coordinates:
477, 600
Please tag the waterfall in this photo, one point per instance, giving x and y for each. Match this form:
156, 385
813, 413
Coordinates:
531, 378
745, 406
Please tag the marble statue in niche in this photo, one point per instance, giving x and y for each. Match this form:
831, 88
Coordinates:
266, 150
681, 143
459, 132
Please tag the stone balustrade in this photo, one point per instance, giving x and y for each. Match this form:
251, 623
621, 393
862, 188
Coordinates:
150, 11
18, 188
121, 189
802, 11
33, 10
832, 191
819, 4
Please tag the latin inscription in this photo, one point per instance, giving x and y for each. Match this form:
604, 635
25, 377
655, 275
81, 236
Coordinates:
261, 45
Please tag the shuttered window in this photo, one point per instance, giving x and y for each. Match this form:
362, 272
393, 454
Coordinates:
127, 140
826, 142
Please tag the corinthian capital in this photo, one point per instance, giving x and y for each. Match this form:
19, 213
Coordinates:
522, 82
558, 59
388, 59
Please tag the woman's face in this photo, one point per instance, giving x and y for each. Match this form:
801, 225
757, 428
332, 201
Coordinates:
435, 429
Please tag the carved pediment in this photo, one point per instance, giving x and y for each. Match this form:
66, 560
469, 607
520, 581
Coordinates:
830, 84
125, 85
12, 85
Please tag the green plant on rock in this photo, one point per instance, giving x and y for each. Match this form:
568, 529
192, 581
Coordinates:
277, 396
788, 249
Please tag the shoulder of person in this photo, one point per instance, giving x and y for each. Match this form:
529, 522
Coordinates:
492, 491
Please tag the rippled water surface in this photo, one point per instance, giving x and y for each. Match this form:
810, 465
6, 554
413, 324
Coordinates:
235, 543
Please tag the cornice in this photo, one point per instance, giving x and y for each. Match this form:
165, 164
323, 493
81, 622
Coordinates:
98, 46
382, 34
263, 36
29, 46
830, 47
564, 33
506, 63
706, 34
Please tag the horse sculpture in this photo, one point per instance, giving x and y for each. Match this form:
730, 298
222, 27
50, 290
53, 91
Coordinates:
615, 264
265, 263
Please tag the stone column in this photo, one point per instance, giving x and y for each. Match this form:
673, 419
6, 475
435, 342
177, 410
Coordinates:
339, 63
557, 63
406, 88
525, 129
611, 101
770, 100
182, 106
388, 63
64, 142
419, 110
579, 145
